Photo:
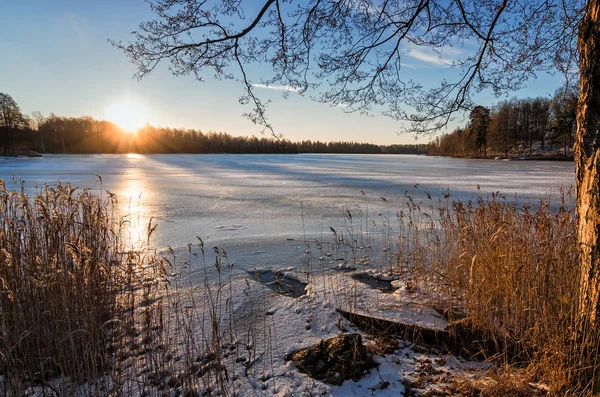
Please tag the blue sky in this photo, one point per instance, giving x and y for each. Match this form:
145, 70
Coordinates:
56, 58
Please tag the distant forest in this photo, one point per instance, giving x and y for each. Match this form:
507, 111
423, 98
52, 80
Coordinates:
20, 133
513, 128
518, 127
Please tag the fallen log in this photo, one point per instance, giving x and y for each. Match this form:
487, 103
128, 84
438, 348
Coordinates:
458, 338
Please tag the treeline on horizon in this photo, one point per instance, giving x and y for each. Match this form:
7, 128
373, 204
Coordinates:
83, 135
515, 127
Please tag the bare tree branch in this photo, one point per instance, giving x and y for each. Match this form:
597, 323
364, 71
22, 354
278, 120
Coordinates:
352, 52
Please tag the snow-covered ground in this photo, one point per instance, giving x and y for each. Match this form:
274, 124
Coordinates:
259, 325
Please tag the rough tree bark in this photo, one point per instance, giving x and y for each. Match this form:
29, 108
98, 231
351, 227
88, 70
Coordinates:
587, 157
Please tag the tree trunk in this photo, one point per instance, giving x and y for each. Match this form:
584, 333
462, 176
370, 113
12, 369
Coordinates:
587, 154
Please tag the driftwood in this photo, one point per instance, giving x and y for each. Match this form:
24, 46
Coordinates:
458, 338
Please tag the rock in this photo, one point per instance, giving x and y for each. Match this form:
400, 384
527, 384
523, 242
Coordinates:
334, 360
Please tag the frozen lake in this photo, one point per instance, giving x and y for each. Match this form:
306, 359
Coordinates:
261, 207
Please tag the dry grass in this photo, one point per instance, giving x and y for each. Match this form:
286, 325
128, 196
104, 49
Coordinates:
61, 271
505, 270
512, 270
83, 314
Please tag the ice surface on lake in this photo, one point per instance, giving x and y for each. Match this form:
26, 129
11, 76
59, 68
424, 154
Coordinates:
260, 208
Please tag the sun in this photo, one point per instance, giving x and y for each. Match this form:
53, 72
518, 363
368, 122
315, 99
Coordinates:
129, 115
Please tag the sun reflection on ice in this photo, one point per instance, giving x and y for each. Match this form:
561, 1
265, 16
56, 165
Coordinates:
135, 213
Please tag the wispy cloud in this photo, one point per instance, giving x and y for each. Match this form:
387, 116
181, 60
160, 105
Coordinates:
442, 57
72, 20
428, 56
288, 88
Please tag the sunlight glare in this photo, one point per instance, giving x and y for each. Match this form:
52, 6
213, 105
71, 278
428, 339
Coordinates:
129, 115
135, 212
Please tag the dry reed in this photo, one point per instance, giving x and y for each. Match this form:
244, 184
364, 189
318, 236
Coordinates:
511, 269
61, 270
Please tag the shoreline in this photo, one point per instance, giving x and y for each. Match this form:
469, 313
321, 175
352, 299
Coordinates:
552, 157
